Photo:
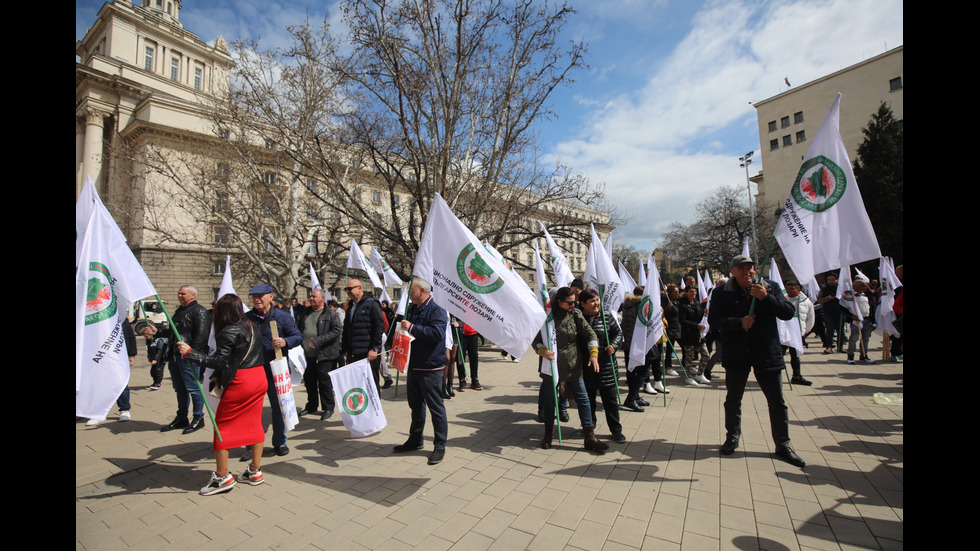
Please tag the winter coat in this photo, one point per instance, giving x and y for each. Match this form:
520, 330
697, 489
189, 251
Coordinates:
572, 332
759, 347
606, 376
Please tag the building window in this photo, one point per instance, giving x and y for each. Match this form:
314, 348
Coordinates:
773, 145
798, 117
311, 210
801, 136
148, 58
772, 126
269, 144
269, 178
222, 171
198, 77
784, 122
397, 199
787, 140
311, 185
218, 267
220, 235
174, 68
895, 84
221, 201
357, 195
376, 197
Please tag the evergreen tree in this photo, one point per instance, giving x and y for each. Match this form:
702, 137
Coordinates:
879, 170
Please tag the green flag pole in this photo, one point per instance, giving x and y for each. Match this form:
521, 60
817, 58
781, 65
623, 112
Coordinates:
193, 375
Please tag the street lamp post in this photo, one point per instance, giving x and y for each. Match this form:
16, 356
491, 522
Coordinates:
745, 161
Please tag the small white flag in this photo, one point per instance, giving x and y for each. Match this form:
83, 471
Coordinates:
356, 394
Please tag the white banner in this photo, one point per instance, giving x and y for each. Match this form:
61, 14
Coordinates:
357, 261
824, 224
108, 279
356, 395
649, 319
473, 285
284, 391
601, 275
789, 330
559, 264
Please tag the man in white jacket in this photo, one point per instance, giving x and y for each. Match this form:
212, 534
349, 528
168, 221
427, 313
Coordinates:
807, 317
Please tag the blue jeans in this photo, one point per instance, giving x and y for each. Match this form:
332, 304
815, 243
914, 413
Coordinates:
123, 401
278, 426
182, 375
546, 401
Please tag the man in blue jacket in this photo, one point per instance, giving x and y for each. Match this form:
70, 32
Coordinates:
262, 312
427, 322
752, 342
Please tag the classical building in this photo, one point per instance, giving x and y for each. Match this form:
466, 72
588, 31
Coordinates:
142, 79
787, 120
145, 97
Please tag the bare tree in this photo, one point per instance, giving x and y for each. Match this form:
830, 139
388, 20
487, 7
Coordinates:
722, 223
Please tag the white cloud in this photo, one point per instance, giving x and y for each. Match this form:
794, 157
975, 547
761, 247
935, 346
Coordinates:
663, 147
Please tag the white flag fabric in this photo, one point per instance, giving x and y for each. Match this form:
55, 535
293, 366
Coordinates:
789, 330
845, 292
884, 314
108, 278
549, 335
627, 279
608, 245
473, 285
357, 261
559, 264
649, 319
314, 281
357, 395
745, 248
403, 303
824, 224
382, 267
601, 275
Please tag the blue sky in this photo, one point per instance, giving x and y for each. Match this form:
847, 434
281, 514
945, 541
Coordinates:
663, 112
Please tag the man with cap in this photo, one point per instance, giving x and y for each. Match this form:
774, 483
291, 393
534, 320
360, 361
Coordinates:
263, 311
750, 341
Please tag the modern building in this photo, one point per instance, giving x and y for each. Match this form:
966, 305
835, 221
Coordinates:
789, 119
145, 96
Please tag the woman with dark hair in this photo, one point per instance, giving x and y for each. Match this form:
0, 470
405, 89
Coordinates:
574, 335
241, 384
690, 313
604, 381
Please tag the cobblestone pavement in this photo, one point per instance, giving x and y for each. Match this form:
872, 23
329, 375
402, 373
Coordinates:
666, 488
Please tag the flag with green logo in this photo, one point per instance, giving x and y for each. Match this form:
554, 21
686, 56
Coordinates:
356, 396
473, 285
108, 278
824, 224
649, 319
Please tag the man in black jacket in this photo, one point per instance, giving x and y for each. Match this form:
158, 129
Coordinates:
751, 341
363, 328
321, 330
193, 323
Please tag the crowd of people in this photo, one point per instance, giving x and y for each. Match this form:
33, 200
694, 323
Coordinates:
735, 324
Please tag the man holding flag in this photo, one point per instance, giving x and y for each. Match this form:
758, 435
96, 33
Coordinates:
427, 322
751, 341
193, 323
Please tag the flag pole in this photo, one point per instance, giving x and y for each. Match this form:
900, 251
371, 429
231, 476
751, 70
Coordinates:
193, 376
554, 370
612, 357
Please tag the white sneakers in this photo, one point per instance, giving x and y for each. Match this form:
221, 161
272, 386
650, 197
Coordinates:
125, 416
659, 387
702, 379
648, 388
691, 382
93, 422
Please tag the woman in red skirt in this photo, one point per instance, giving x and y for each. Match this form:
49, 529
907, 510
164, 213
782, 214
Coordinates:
239, 378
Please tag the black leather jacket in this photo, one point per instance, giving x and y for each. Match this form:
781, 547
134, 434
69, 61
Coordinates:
234, 350
194, 324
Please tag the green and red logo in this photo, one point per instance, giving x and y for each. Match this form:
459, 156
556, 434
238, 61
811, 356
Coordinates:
355, 401
100, 298
819, 184
475, 273
644, 311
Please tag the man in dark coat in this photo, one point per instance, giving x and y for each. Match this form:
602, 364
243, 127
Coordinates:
363, 327
751, 341
193, 323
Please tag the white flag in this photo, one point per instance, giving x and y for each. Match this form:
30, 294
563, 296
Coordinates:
789, 330
473, 285
559, 264
745, 248
608, 245
641, 276
627, 279
885, 314
845, 292
356, 393
382, 267
403, 303
357, 261
649, 319
824, 224
549, 336
601, 275
108, 278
